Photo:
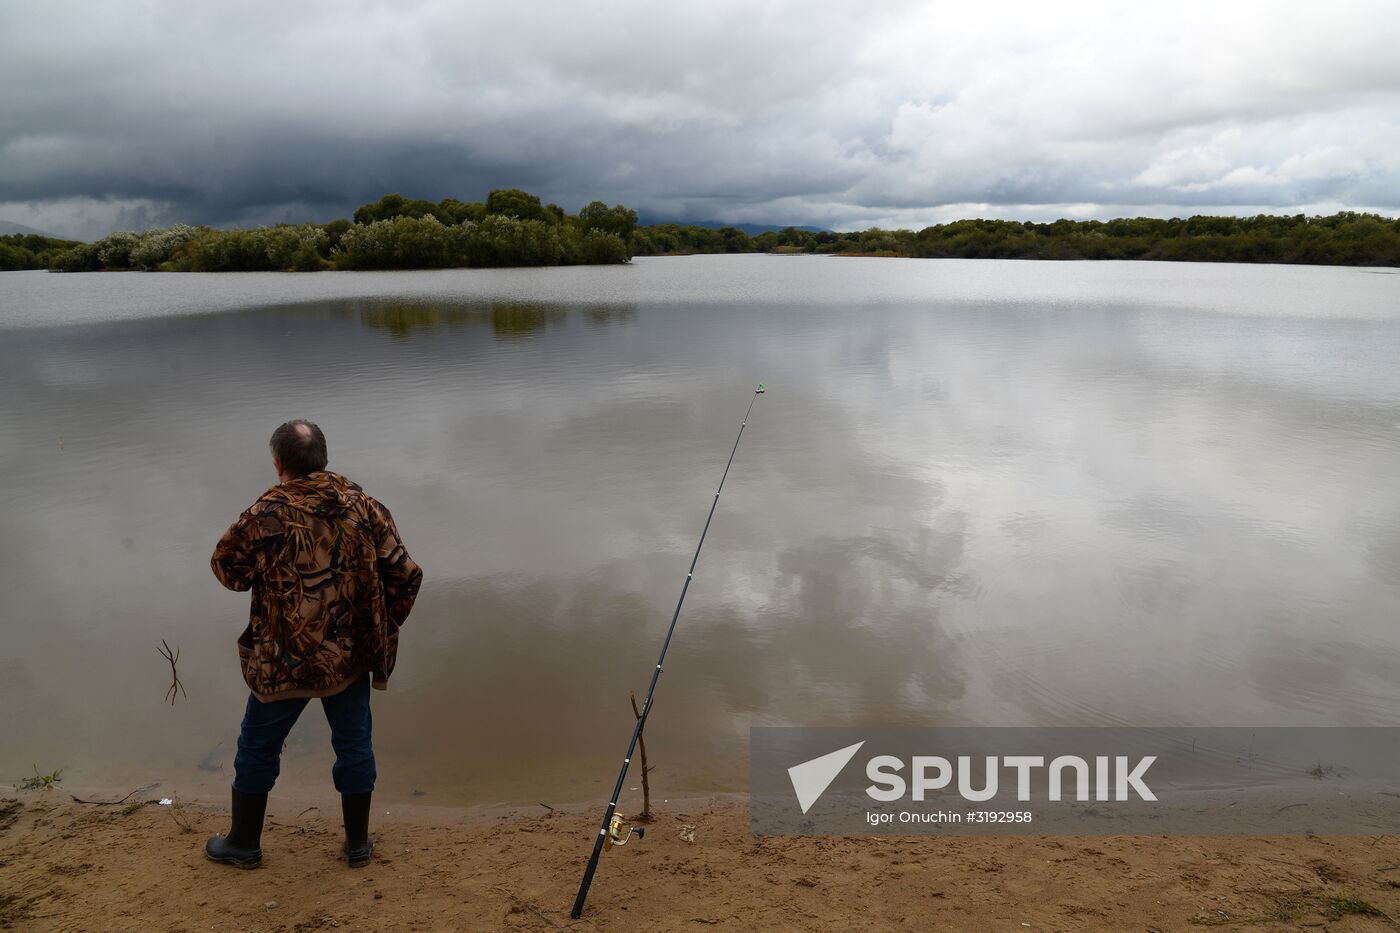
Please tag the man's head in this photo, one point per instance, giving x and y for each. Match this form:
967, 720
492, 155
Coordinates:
298, 448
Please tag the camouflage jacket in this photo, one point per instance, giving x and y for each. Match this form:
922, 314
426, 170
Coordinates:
331, 585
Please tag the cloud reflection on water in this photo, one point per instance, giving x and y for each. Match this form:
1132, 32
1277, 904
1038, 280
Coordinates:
951, 513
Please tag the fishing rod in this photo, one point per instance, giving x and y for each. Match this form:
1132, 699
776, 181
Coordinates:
611, 832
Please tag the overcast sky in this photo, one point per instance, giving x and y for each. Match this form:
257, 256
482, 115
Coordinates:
126, 114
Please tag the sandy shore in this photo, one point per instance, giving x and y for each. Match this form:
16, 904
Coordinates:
68, 866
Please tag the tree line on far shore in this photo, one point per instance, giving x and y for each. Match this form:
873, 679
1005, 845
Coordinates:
31, 250
513, 228
1344, 239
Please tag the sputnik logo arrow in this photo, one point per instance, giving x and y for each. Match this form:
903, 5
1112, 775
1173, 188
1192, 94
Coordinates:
811, 778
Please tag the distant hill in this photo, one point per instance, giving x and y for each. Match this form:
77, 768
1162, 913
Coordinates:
750, 229
8, 227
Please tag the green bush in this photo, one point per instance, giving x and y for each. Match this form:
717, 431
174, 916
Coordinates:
512, 202
82, 258
14, 258
616, 220
114, 249
157, 247
399, 243
226, 251
502, 240
295, 248
603, 248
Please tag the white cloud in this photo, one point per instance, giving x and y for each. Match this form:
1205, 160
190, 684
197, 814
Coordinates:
781, 112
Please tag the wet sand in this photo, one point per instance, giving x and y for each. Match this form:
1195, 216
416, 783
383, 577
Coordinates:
67, 866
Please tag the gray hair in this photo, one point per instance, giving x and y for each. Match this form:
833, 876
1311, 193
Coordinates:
299, 447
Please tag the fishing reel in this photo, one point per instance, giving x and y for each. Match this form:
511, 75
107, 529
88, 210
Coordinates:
615, 835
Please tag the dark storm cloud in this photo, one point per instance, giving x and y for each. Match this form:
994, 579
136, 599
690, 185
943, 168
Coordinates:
132, 114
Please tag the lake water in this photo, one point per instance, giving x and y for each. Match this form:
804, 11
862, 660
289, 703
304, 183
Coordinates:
975, 492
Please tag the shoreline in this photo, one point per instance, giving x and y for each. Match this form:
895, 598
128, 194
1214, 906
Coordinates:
65, 865
290, 798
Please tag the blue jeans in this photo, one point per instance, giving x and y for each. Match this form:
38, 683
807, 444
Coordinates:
265, 729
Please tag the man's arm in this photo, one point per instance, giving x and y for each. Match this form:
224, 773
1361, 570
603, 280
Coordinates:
235, 560
400, 575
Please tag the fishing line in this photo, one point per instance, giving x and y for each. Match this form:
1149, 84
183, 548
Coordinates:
611, 832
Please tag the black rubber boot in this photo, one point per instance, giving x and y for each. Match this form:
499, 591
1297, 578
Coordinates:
354, 808
242, 845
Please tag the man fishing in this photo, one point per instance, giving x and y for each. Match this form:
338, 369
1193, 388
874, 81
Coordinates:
331, 585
